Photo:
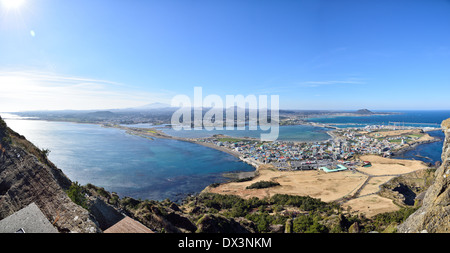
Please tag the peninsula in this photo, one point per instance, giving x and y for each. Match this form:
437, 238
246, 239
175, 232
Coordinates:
284, 196
350, 168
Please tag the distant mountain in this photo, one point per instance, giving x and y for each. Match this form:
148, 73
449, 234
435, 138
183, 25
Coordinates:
101, 114
364, 111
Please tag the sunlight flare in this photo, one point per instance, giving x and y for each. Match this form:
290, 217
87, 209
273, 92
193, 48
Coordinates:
12, 4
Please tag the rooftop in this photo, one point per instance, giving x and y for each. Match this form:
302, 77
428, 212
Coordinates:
27, 220
128, 225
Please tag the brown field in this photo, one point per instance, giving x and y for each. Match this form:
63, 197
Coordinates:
373, 185
395, 133
317, 184
371, 205
330, 186
387, 166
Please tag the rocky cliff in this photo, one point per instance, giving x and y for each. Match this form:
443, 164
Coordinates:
27, 176
434, 214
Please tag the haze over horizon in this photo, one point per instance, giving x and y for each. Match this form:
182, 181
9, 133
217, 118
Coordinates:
316, 55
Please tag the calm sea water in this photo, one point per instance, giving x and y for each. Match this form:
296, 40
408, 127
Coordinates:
300, 133
430, 152
159, 169
126, 164
426, 118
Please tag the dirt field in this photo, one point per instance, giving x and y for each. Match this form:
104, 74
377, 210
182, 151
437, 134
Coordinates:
330, 186
317, 184
373, 185
395, 133
387, 166
371, 205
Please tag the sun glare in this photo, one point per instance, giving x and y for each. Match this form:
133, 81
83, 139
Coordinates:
12, 4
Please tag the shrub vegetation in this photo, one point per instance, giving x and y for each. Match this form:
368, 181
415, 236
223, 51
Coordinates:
262, 184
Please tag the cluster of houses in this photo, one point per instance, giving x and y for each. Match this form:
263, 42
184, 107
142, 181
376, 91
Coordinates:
359, 143
330, 155
289, 155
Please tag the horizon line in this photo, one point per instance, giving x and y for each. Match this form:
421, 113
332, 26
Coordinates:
281, 109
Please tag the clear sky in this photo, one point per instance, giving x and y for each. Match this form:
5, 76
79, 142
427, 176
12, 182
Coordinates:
329, 54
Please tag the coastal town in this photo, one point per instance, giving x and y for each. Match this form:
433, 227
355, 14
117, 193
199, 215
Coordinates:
336, 154
340, 152
349, 168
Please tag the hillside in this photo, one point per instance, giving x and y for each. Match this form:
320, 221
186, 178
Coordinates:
27, 176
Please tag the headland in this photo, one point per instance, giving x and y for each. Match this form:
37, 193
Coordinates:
349, 168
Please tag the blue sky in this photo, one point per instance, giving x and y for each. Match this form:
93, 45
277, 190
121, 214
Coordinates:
333, 54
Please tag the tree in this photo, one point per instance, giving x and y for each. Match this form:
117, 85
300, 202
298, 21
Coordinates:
308, 224
45, 152
75, 193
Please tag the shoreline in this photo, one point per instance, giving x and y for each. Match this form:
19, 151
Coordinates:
360, 196
348, 184
213, 146
150, 133
154, 133
356, 188
402, 151
348, 114
414, 145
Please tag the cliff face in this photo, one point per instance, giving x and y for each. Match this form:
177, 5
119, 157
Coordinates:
434, 215
27, 176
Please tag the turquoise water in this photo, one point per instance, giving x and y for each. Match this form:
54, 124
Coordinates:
418, 118
300, 133
159, 169
126, 164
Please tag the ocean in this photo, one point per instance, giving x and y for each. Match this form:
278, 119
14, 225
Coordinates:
159, 169
297, 133
129, 165
418, 118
